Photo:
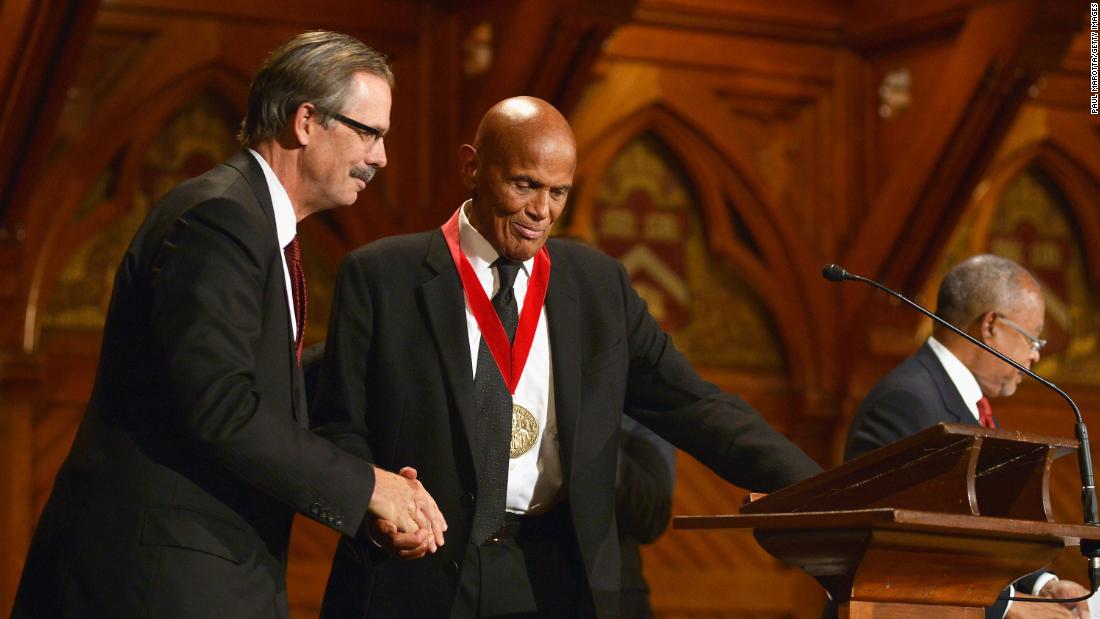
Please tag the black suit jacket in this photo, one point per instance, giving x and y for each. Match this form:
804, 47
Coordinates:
917, 394
177, 496
396, 388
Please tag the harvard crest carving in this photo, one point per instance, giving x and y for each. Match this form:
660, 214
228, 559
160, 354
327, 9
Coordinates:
646, 216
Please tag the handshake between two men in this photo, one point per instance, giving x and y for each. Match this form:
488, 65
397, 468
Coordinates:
403, 518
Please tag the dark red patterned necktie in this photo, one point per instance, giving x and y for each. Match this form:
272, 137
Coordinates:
985, 413
293, 254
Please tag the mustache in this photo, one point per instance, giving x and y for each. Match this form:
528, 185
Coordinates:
364, 173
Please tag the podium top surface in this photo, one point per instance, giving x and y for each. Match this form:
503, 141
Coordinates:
956, 429
949, 468
1070, 534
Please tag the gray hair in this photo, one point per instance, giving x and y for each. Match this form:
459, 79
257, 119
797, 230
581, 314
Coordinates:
314, 66
977, 285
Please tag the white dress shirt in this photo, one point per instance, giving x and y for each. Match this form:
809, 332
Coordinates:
535, 478
960, 376
286, 227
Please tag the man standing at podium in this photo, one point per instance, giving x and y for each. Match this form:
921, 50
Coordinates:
950, 380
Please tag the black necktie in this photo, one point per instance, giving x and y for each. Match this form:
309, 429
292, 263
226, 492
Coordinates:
494, 405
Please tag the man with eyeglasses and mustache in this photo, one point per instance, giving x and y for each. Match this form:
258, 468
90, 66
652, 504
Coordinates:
194, 454
498, 363
950, 380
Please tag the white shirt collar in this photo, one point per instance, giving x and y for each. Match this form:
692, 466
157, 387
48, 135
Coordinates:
960, 376
286, 222
477, 248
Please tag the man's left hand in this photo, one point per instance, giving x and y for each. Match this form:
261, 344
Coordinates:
1058, 588
404, 545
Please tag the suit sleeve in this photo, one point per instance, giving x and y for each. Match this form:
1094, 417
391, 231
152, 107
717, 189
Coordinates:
666, 395
206, 285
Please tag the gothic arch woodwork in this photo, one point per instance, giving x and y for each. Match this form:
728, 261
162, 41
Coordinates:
75, 172
1072, 179
756, 253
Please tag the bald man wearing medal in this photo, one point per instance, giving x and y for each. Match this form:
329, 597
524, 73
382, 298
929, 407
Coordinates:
498, 364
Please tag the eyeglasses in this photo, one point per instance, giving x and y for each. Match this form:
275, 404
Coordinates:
1037, 344
367, 133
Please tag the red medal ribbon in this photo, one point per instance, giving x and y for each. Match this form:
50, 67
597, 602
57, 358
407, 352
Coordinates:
510, 359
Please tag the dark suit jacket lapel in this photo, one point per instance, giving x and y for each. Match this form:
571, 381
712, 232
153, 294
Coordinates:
563, 327
253, 174
250, 169
949, 394
444, 305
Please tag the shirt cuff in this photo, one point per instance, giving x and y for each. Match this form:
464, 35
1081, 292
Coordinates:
1011, 593
1042, 580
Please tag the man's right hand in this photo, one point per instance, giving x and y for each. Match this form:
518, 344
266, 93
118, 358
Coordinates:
402, 500
1032, 610
1066, 589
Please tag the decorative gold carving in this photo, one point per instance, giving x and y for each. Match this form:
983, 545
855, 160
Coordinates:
82, 292
199, 136
478, 50
618, 223
1031, 225
895, 93
640, 166
732, 327
647, 219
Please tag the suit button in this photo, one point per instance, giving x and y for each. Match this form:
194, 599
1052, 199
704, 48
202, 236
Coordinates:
315, 509
452, 568
468, 499
338, 522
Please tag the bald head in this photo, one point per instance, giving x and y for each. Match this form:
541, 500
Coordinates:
519, 171
518, 123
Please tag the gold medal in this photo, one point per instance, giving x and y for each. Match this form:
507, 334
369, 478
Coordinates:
525, 431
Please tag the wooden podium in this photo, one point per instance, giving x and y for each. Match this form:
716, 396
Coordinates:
935, 525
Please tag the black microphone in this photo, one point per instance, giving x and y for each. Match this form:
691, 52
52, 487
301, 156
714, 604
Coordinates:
835, 273
1091, 550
